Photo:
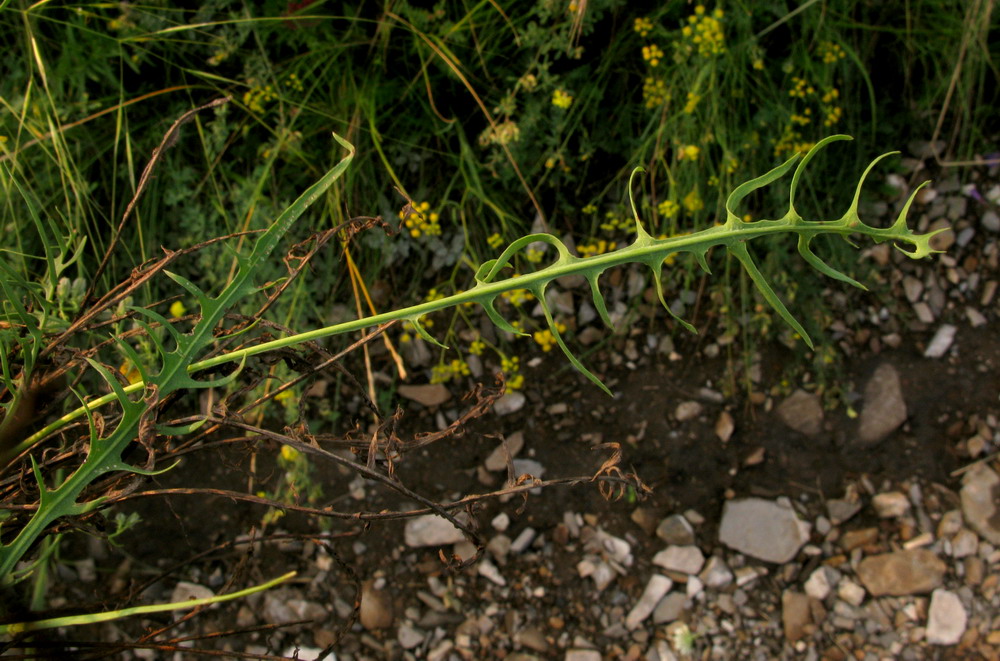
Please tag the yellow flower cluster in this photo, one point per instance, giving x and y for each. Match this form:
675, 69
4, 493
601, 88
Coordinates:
561, 99
255, 98
477, 347
830, 52
833, 115
652, 54
597, 248
293, 81
802, 119
495, 240
668, 208
613, 223
801, 88
433, 295
704, 32
791, 142
730, 164
590, 208
643, 26
420, 222
692, 102
512, 367
534, 255
504, 133
518, 296
689, 152
444, 373
654, 93
692, 202
546, 339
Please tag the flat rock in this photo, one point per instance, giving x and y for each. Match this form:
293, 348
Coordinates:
764, 529
675, 529
512, 402
670, 608
581, 655
185, 591
409, 636
795, 614
497, 460
657, 586
683, 559
946, 619
981, 501
376, 607
913, 571
890, 505
803, 412
431, 530
716, 573
941, 341
725, 426
884, 409
431, 394
688, 411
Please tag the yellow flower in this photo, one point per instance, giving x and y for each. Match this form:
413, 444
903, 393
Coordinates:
668, 208
643, 26
690, 152
692, 102
652, 54
288, 453
692, 202
495, 240
477, 347
561, 99
177, 309
130, 371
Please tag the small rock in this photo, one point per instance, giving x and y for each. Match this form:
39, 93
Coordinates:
657, 586
941, 341
511, 402
851, 592
645, 518
489, 571
990, 220
803, 412
528, 467
499, 547
431, 530
693, 587
899, 573
981, 501
432, 394
716, 573
532, 638
683, 559
688, 411
409, 637
497, 461
675, 530
951, 523
913, 288
821, 582
890, 505
853, 539
975, 317
669, 608
185, 591
795, 614
725, 426
884, 409
946, 619
376, 607
523, 540
767, 530
501, 522
581, 655
842, 509
964, 544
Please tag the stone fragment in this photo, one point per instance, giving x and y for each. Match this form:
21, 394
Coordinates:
914, 571
432, 394
501, 522
581, 655
803, 412
795, 614
941, 341
511, 402
890, 505
913, 288
523, 540
842, 509
725, 426
497, 460
669, 608
657, 586
409, 636
946, 619
990, 220
645, 518
533, 639
688, 411
884, 409
185, 591
944, 240
767, 530
683, 559
489, 571
716, 573
821, 582
376, 607
853, 539
675, 529
431, 530
981, 501
964, 543
851, 592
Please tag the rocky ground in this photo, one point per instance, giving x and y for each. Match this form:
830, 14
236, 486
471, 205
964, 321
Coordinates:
776, 528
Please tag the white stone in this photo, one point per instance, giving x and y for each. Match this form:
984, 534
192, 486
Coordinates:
657, 586
511, 402
946, 619
409, 637
501, 522
684, 559
688, 411
488, 570
767, 530
716, 573
851, 592
821, 582
582, 655
185, 591
431, 530
941, 341
964, 543
979, 504
890, 505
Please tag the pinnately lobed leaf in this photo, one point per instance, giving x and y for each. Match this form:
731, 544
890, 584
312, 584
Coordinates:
734, 235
